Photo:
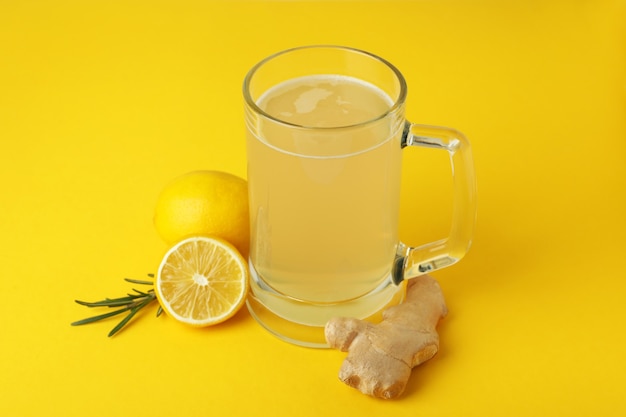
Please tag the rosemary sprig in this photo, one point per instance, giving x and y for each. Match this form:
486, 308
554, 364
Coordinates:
131, 303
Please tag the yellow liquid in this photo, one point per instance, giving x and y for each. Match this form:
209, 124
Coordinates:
324, 202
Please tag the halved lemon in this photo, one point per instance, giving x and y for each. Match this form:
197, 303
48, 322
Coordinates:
202, 281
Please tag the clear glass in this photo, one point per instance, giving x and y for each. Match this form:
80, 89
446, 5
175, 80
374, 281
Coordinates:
325, 132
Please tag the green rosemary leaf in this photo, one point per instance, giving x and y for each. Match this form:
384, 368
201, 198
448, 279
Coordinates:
99, 317
130, 315
138, 281
109, 302
159, 311
141, 293
129, 296
103, 303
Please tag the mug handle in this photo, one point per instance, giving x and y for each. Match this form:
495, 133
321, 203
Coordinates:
414, 261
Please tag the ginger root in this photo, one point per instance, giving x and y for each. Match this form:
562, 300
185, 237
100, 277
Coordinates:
381, 356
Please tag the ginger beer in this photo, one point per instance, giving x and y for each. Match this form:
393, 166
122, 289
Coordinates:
306, 242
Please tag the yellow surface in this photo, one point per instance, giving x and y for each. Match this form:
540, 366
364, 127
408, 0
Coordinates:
103, 102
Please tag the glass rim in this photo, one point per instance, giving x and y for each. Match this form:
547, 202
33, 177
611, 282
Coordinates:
397, 103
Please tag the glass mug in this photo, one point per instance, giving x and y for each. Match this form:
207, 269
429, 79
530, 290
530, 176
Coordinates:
325, 132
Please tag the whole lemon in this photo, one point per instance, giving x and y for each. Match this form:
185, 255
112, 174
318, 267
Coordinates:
204, 203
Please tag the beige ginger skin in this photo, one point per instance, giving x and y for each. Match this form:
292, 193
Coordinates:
381, 356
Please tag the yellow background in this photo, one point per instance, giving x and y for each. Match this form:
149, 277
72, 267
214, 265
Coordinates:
103, 102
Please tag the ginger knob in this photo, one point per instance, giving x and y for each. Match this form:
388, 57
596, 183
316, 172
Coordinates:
381, 356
